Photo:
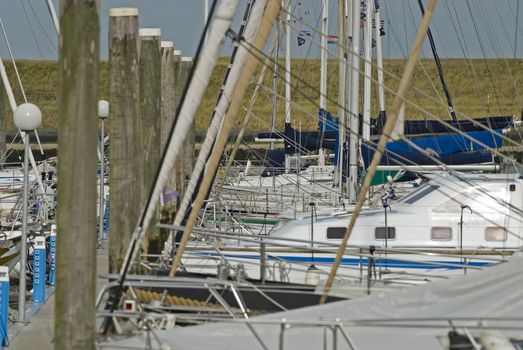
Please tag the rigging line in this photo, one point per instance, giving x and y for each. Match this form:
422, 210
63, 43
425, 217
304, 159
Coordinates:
32, 30
484, 54
420, 62
260, 54
402, 158
438, 65
257, 55
516, 30
449, 126
302, 67
468, 63
505, 31
298, 177
42, 27
18, 78
405, 28
13, 60
495, 43
114, 298
421, 109
515, 15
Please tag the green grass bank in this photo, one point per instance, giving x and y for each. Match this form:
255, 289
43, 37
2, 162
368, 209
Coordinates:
478, 87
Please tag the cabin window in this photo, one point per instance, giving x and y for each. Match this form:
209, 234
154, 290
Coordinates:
441, 234
417, 195
335, 232
495, 234
379, 233
512, 187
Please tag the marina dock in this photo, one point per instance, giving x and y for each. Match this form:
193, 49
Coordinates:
40, 329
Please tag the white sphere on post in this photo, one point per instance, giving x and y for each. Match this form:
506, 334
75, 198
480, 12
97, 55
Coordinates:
103, 109
27, 117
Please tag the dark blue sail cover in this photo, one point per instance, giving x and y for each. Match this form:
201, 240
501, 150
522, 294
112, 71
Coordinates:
450, 149
416, 127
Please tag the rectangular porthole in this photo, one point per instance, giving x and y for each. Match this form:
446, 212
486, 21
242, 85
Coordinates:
495, 234
379, 233
335, 232
441, 234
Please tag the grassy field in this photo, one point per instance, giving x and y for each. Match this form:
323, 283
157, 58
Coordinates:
478, 88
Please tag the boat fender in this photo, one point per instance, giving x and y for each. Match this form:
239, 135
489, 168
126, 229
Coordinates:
312, 276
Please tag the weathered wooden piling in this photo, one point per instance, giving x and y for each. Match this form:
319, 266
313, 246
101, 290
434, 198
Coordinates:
3, 118
168, 107
125, 174
149, 130
168, 89
76, 217
187, 161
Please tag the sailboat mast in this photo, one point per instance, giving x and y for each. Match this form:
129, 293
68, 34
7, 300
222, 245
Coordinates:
288, 79
275, 84
341, 92
323, 56
368, 71
354, 103
438, 65
379, 57
52, 11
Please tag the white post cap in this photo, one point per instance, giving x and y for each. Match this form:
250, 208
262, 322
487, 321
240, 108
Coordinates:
27, 117
103, 109
150, 32
123, 11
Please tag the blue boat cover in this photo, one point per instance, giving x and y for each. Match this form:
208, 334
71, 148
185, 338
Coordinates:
449, 149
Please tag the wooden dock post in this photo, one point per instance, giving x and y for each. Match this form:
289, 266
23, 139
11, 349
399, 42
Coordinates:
169, 64
125, 175
150, 117
187, 161
3, 118
168, 89
76, 215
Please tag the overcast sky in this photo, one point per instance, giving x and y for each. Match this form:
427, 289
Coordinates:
489, 32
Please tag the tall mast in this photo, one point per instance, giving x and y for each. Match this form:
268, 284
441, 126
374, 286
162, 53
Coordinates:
368, 71
379, 58
52, 11
438, 65
275, 84
354, 103
288, 78
324, 57
341, 91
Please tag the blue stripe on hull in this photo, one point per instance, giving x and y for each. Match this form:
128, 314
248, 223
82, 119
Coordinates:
379, 262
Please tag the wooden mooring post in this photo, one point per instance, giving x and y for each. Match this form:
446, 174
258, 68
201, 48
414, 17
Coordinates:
125, 175
76, 213
149, 130
3, 118
169, 65
186, 160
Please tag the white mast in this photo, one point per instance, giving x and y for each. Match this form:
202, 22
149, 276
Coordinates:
341, 91
53, 16
288, 78
379, 57
354, 102
324, 52
205, 16
368, 71
323, 69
